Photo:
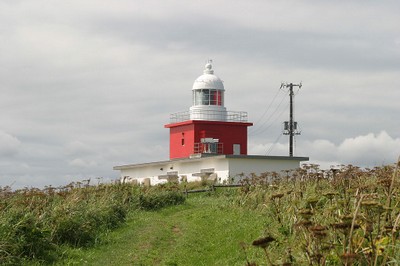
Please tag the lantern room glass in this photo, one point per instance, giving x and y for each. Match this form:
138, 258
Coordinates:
208, 97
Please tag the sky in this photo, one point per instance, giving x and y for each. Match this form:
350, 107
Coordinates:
88, 85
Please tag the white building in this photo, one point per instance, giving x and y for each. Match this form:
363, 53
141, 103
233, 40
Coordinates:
208, 142
222, 168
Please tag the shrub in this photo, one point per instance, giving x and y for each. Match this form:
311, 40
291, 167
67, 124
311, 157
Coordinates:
157, 200
35, 223
24, 235
80, 224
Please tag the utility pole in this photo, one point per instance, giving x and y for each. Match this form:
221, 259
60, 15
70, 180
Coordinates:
290, 127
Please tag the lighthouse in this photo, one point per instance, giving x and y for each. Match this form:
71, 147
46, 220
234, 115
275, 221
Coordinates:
207, 128
207, 142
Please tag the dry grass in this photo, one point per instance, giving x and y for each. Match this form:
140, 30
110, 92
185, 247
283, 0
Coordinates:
345, 215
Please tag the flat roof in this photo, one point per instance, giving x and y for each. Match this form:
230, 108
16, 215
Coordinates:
188, 122
200, 157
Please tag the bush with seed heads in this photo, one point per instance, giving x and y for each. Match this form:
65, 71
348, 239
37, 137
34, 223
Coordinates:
346, 215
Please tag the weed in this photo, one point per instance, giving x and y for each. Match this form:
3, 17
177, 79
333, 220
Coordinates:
346, 215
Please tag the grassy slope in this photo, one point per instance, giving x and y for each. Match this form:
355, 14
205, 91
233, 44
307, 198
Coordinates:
203, 231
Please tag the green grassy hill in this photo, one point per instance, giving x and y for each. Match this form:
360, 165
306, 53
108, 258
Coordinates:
346, 216
205, 230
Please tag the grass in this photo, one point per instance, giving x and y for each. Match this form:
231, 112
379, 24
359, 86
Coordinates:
342, 216
36, 226
203, 231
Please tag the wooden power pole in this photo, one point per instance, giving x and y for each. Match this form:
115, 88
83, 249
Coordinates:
290, 127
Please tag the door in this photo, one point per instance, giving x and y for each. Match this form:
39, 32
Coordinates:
236, 149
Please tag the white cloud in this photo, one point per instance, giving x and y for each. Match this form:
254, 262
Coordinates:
77, 147
370, 149
88, 85
81, 163
365, 150
9, 145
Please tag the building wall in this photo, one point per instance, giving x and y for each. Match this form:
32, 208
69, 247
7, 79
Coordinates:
246, 166
183, 168
184, 132
188, 168
224, 168
227, 133
191, 132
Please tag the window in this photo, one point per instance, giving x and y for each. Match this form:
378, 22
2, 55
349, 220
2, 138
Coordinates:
198, 95
220, 99
208, 97
213, 97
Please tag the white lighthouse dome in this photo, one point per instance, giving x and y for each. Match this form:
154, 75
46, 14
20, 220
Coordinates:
208, 97
208, 80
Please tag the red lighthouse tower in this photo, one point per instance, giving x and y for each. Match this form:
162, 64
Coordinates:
208, 128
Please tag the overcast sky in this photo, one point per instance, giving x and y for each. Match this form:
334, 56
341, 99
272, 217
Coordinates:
87, 85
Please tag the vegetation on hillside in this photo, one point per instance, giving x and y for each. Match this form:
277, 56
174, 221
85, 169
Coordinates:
35, 224
342, 216
206, 230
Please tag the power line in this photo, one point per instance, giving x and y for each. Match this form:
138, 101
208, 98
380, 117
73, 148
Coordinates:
261, 129
273, 144
265, 112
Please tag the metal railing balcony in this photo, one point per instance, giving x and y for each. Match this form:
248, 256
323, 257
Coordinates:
208, 148
209, 115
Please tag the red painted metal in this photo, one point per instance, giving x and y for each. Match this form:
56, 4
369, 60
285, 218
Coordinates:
184, 135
